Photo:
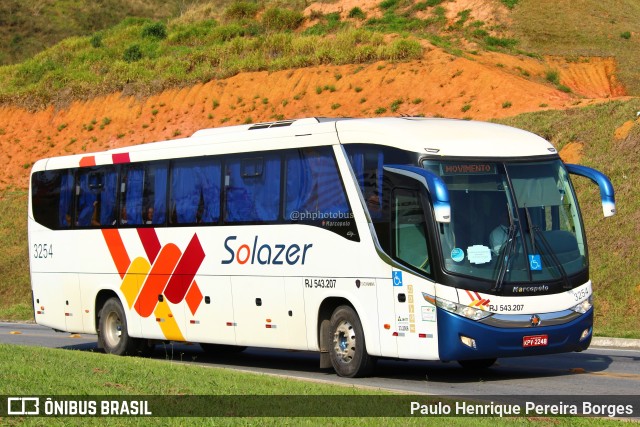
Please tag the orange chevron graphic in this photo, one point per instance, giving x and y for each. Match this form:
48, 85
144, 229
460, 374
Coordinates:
478, 301
165, 271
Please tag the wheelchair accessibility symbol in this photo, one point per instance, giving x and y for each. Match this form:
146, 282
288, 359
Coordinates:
397, 278
535, 263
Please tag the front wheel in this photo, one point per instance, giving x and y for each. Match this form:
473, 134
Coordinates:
477, 363
348, 351
113, 335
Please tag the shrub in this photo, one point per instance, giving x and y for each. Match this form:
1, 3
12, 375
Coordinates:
396, 104
357, 13
388, 4
510, 3
96, 41
132, 54
241, 10
403, 49
500, 42
626, 35
276, 19
155, 30
506, 104
552, 76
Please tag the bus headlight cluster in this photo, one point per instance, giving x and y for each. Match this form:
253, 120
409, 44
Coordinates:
462, 310
584, 306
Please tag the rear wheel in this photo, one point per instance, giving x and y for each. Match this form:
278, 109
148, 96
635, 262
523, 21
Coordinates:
113, 335
347, 349
477, 363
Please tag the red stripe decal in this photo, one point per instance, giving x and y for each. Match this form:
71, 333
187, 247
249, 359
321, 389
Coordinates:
185, 271
150, 242
120, 158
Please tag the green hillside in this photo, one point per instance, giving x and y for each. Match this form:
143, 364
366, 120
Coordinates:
575, 29
28, 27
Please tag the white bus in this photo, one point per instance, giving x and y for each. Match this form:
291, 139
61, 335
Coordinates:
410, 238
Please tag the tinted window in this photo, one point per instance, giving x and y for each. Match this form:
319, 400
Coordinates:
96, 196
315, 194
409, 230
195, 191
144, 188
45, 189
253, 188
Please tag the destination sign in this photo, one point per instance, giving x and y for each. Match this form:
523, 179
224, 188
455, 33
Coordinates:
468, 169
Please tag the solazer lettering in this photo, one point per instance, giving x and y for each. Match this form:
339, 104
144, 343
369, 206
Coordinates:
265, 253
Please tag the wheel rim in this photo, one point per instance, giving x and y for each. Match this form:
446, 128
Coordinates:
344, 342
113, 329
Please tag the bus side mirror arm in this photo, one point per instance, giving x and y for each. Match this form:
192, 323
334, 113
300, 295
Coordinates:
606, 188
434, 185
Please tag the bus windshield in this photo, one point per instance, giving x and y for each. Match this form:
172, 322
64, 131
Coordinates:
511, 222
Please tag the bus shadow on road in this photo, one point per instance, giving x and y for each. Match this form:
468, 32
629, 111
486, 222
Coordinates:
288, 361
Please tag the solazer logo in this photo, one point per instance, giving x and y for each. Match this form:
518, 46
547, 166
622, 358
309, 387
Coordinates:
265, 253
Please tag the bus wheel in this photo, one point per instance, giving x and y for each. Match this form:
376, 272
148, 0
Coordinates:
222, 349
113, 334
477, 363
348, 351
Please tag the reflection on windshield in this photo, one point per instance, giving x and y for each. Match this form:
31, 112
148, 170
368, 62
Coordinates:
510, 222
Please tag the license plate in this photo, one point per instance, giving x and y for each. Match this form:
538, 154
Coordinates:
535, 341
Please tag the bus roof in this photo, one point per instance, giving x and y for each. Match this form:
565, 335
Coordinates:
441, 137
445, 137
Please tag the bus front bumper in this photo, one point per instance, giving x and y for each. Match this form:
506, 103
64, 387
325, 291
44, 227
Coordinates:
462, 339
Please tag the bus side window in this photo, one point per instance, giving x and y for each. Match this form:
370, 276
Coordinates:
133, 179
314, 188
409, 230
154, 203
253, 188
96, 196
51, 198
195, 191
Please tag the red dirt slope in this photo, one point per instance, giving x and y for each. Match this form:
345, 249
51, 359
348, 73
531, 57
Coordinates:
481, 87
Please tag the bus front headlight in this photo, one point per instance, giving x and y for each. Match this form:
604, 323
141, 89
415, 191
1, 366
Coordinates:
584, 306
472, 313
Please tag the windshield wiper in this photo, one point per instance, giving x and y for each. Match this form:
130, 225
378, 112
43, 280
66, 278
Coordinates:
535, 231
505, 256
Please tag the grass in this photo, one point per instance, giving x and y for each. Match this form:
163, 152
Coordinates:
15, 287
220, 39
29, 371
594, 28
143, 56
28, 28
190, 53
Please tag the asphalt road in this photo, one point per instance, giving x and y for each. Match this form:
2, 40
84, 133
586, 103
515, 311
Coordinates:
597, 371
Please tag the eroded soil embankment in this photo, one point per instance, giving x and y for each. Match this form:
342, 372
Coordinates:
486, 86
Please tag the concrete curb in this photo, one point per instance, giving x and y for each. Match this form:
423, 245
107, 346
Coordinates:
626, 343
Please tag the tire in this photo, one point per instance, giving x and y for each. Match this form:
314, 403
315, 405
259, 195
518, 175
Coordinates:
221, 349
477, 363
347, 347
113, 335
